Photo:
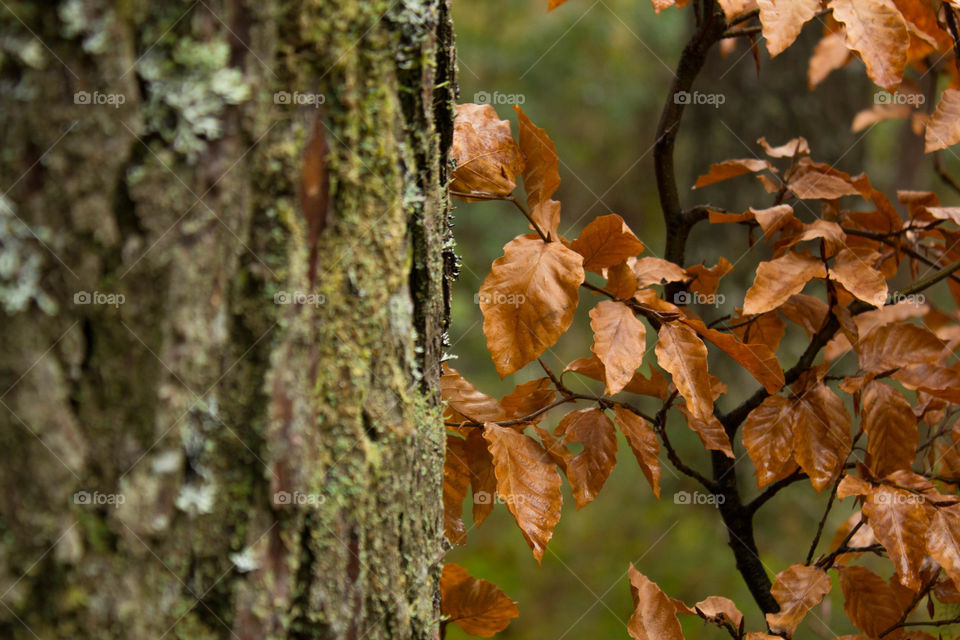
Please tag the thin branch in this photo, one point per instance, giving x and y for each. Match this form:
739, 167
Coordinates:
533, 223
775, 488
943, 173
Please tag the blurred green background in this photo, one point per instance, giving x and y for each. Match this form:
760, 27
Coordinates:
594, 75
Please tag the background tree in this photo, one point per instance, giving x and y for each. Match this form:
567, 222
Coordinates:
223, 284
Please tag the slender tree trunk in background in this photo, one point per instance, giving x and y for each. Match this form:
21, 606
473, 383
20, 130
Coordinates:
194, 443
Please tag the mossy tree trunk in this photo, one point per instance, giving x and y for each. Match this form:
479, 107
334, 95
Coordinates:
194, 441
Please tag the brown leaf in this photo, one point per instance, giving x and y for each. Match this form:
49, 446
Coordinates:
797, 589
818, 181
733, 8
643, 442
706, 279
528, 300
528, 482
879, 113
541, 175
755, 358
766, 328
779, 279
821, 434
870, 603
795, 147
464, 402
710, 431
621, 280
857, 275
528, 398
768, 439
891, 346
943, 540
456, 479
939, 382
657, 271
891, 429
730, 169
482, 477
830, 54
719, 608
877, 31
681, 353
476, 606
943, 128
588, 470
605, 242
554, 4
899, 521
782, 21
654, 616
488, 159
619, 341
656, 385
806, 311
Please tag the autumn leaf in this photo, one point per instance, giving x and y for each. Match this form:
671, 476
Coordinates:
605, 242
943, 128
464, 402
681, 353
877, 31
483, 481
821, 434
871, 604
767, 329
818, 181
488, 159
705, 280
528, 300
528, 398
456, 480
891, 429
755, 358
476, 606
541, 175
619, 341
830, 54
792, 148
643, 442
891, 346
730, 169
855, 272
943, 540
899, 521
528, 482
655, 385
657, 271
718, 608
588, 470
779, 279
654, 616
711, 433
554, 4
797, 589
782, 21
768, 439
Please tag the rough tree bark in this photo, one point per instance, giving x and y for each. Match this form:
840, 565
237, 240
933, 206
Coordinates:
223, 452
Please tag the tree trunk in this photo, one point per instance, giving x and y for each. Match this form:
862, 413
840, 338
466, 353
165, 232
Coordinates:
197, 438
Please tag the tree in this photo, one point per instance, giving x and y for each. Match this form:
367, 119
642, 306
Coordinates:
882, 433
223, 283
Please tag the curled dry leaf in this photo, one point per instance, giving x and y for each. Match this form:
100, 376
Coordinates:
792, 148
899, 520
476, 606
619, 342
456, 480
767, 329
588, 470
731, 169
709, 430
870, 603
541, 175
483, 481
891, 429
719, 608
819, 181
768, 439
943, 540
528, 398
643, 442
605, 242
528, 300
782, 21
943, 129
891, 346
877, 31
821, 434
464, 402
755, 358
657, 271
797, 589
830, 54
654, 615
488, 158
528, 482
779, 279
656, 385
705, 280
854, 270
682, 353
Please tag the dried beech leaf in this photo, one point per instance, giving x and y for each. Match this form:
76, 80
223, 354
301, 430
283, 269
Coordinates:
857, 275
654, 615
483, 480
821, 434
891, 346
730, 169
768, 439
870, 603
755, 358
719, 608
605, 242
877, 31
797, 589
830, 54
943, 540
476, 606
488, 159
943, 128
588, 470
657, 271
782, 21
541, 175
891, 429
528, 482
899, 521
779, 279
682, 353
528, 398
619, 342
464, 402
643, 442
456, 480
528, 300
